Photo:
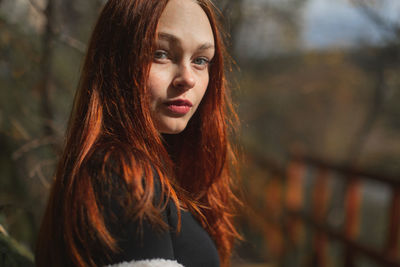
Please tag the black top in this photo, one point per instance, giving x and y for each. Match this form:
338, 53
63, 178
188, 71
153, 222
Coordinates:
191, 247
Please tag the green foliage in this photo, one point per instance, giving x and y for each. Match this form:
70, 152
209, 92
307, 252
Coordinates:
12, 254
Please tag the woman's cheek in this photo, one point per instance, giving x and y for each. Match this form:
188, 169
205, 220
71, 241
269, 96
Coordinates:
158, 84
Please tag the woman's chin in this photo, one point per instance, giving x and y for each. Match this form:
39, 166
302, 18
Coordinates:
171, 128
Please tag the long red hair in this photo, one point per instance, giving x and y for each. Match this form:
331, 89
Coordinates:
110, 130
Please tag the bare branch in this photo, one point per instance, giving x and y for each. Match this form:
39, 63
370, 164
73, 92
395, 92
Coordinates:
390, 28
3, 231
43, 179
38, 170
47, 140
36, 7
18, 126
71, 42
61, 36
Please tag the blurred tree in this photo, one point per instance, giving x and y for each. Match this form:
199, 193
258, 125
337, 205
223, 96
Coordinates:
46, 69
13, 254
377, 61
267, 28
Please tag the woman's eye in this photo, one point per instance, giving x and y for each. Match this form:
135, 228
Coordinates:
160, 54
201, 61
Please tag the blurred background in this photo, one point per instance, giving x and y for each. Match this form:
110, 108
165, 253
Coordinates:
317, 87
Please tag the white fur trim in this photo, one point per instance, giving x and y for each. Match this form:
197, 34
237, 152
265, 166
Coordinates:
148, 263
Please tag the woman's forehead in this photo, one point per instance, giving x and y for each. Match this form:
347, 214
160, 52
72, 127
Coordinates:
185, 19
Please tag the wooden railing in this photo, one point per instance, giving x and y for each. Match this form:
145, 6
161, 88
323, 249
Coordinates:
295, 214
347, 236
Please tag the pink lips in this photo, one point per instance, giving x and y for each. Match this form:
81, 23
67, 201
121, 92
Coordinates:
180, 106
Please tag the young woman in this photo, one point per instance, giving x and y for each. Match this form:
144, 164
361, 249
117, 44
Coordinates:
145, 176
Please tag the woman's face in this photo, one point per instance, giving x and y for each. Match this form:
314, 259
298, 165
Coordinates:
179, 73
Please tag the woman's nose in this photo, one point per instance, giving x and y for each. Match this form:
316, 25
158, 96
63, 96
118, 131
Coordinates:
184, 78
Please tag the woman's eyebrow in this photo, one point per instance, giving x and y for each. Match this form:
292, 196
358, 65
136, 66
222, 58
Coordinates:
176, 41
206, 46
169, 37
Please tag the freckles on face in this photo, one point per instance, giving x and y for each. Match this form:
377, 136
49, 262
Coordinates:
179, 74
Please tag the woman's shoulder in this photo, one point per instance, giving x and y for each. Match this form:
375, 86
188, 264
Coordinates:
114, 165
120, 182
120, 198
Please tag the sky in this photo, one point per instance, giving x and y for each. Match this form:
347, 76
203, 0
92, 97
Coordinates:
323, 24
337, 23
